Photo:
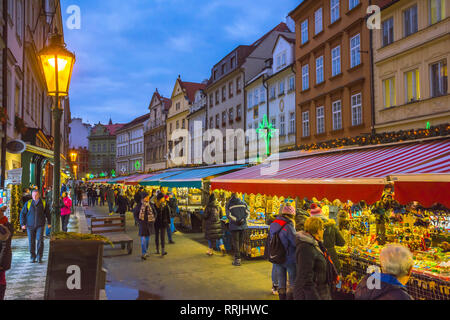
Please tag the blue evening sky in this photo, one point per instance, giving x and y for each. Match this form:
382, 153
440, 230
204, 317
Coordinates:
127, 48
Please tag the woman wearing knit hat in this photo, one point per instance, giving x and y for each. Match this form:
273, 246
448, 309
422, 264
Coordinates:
6, 233
284, 226
145, 217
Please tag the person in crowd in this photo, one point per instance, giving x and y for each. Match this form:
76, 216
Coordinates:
73, 196
172, 203
121, 203
138, 195
26, 196
315, 271
79, 196
396, 266
237, 214
301, 215
32, 218
213, 226
144, 214
6, 234
110, 198
153, 196
332, 237
284, 225
162, 220
66, 210
102, 195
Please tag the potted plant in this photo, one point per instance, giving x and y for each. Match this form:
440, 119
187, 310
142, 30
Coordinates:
75, 266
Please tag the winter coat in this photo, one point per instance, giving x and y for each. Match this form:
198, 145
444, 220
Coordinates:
391, 289
237, 214
122, 204
300, 218
146, 228
332, 237
173, 205
311, 282
36, 216
66, 209
162, 216
5, 247
213, 225
137, 197
287, 236
110, 195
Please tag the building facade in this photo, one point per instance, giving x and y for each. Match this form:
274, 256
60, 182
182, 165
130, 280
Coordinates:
183, 96
155, 133
271, 95
333, 68
197, 124
411, 53
102, 148
79, 133
130, 146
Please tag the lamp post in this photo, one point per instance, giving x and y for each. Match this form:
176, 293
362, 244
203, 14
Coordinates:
57, 64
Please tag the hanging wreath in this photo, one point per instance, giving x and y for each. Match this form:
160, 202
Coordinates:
3, 115
20, 125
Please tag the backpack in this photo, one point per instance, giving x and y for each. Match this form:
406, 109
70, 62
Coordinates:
29, 204
277, 252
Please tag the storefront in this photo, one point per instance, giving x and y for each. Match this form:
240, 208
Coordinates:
368, 191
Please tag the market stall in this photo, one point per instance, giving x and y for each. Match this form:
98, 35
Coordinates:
372, 188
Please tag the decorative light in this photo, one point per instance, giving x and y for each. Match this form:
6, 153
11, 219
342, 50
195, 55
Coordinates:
266, 131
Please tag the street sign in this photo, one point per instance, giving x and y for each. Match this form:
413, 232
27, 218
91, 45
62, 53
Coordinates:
14, 176
16, 146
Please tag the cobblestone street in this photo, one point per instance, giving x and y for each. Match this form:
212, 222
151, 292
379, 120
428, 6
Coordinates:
185, 273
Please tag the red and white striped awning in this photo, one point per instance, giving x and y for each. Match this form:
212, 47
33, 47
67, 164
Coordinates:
355, 175
136, 179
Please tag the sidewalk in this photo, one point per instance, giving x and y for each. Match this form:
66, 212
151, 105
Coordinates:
26, 280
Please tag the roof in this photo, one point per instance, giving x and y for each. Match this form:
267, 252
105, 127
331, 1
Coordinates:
136, 121
167, 103
191, 88
112, 128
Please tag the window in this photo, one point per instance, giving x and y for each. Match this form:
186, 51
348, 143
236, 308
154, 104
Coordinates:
292, 83
282, 125
355, 47
19, 19
230, 89
389, 92
177, 107
255, 112
305, 123
304, 31
238, 85
231, 115
170, 128
211, 123
410, 21
256, 96
272, 92
274, 122
281, 60
319, 69
178, 124
238, 112
112, 147
224, 68
250, 99
320, 120
224, 118
336, 61
305, 77
211, 101
292, 123
388, 31
437, 10
215, 74
233, 62
94, 148
337, 115
318, 21
352, 4
281, 88
412, 85
104, 147
217, 121
224, 93
262, 94
217, 97
356, 110
183, 126
334, 10
438, 79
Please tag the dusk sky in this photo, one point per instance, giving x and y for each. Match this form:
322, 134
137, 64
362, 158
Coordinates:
126, 49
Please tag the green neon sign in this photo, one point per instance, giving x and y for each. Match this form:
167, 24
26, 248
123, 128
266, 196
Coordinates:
113, 173
428, 125
266, 131
137, 165
91, 176
102, 174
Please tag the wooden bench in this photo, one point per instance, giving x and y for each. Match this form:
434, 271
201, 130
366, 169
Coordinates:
112, 227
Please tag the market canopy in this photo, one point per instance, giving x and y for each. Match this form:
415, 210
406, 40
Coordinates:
136, 179
154, 180
122, 179
194, 178
352, 174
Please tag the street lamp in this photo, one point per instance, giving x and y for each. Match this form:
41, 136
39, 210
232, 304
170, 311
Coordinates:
73, 156
57, 64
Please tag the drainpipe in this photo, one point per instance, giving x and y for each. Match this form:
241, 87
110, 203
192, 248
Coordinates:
5, 89
372, 85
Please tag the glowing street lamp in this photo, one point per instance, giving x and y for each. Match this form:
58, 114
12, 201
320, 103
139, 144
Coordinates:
73, 156
57, 65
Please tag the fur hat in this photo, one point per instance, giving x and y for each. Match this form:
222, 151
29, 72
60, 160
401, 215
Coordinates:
315, 210
4, 233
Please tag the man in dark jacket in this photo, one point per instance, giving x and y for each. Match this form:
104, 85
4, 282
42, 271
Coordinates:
6, 233
32, 218
173, 206
396, 265
110, 198
162, 221
237, 214
121, 203
138, 195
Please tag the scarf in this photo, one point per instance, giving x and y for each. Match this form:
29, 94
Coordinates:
146, 208
290, 218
